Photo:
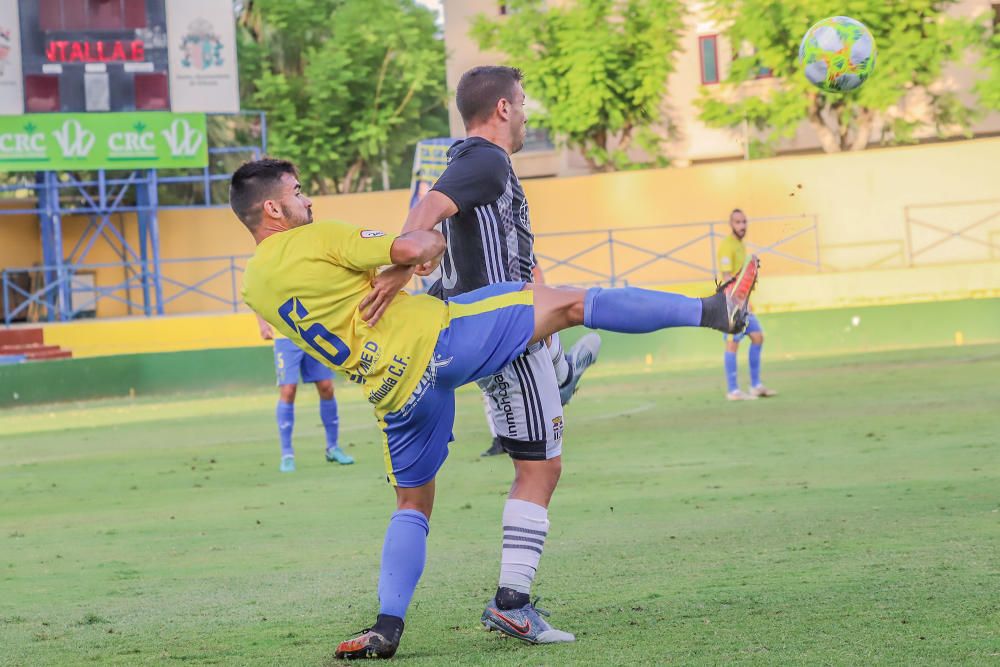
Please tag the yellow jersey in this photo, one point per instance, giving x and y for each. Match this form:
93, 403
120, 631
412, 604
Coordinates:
308, 282
731, 255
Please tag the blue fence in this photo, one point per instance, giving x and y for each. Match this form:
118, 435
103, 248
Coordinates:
637, 256
69, 292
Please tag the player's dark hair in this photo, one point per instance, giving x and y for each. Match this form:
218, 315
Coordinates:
481, 88
252, 184
735, 211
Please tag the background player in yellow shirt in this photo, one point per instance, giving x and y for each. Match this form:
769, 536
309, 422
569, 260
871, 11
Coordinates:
731, 256
312, 282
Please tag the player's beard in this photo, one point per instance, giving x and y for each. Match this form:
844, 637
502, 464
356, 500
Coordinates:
298, 221
517, 143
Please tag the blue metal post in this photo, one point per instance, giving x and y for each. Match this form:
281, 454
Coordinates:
142, 215
6, 303
57, 244
45, 230
56, 300
154, 239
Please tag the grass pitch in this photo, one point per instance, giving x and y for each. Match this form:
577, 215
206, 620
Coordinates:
851, 520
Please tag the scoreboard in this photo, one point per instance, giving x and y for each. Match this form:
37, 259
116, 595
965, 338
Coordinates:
80, 56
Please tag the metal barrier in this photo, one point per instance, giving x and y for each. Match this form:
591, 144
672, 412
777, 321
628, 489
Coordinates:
213, 287
964, 235
665, 254
638, 256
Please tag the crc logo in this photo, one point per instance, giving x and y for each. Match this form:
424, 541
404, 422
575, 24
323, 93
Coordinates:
73, 139
183, 140
27, 144
137, 141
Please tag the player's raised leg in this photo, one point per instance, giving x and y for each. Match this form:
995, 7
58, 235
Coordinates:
580, 357
635, 310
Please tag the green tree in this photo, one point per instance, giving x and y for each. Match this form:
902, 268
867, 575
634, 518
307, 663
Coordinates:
598, 69
915, 39
349, 86
989, 87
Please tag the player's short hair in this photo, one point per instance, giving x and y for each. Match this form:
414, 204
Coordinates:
735, 211
481, 88
252, 184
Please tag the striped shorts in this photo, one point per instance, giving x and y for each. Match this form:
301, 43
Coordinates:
524, 408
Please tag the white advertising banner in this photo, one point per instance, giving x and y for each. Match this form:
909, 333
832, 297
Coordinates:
11, 76
202, 54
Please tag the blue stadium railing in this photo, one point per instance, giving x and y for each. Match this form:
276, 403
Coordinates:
611, 257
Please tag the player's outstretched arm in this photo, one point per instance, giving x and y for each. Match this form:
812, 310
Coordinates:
417, 247
429, 211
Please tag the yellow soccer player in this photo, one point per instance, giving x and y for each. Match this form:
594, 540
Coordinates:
731, 256
312, 282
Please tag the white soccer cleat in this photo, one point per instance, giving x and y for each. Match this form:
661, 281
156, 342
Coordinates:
760, 391
739, 395
581, 356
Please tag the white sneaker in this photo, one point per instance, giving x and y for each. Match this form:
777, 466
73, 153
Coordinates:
581, 356
739, 395
760, 391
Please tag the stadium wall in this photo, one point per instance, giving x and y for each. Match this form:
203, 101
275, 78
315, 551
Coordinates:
140, 363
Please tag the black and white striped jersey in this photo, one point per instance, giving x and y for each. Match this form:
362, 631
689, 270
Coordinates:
489, 239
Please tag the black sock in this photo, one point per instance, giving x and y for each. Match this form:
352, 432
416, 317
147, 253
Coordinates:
508, 598
390, 627
713, 312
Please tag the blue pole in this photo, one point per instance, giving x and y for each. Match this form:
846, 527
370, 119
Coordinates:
6, 305
142, 215
154, 240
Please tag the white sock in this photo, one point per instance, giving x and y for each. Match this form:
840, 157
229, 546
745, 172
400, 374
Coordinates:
525, 526
559, 359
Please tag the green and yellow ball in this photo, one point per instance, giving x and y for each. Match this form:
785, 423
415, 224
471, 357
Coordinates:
838, 54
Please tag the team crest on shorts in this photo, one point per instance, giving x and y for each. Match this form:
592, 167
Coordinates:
557, 428
371, 233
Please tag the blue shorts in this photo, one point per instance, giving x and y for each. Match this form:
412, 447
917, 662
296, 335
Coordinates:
290, 362
753, 326
487, 329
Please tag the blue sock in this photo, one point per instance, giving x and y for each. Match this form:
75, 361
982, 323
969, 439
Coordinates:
403, 556
636, 310
755, 365
331, 421
285, 415
730, 363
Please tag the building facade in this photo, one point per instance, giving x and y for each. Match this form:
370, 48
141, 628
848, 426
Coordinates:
703, 60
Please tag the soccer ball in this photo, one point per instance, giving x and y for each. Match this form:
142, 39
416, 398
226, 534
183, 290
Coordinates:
838, 54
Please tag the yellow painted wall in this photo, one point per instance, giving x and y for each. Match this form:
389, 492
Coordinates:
136, 335
859, 202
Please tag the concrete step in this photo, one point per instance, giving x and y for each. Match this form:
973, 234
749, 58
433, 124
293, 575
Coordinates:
25, 349
48, 355
21, 336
